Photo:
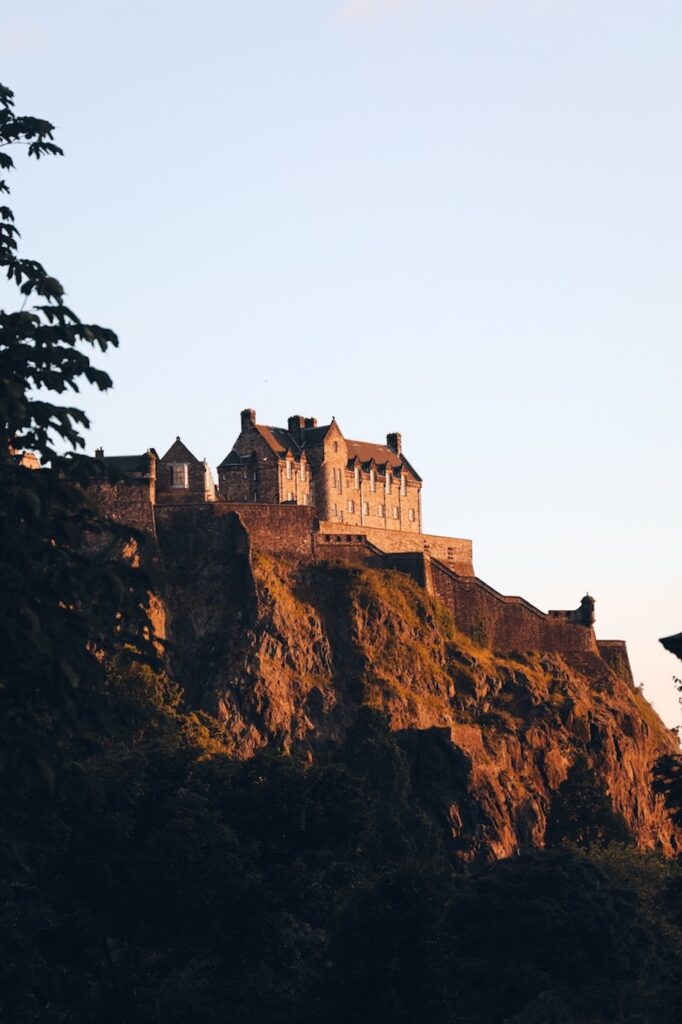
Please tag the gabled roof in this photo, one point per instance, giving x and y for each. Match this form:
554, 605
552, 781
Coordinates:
281, 440
128, 463
365, 452
235, 459
179, 452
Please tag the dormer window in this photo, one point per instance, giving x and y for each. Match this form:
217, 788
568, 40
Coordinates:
288, 469
389, 481
303, 474
357, 478
178, 475
403, 484
372, 480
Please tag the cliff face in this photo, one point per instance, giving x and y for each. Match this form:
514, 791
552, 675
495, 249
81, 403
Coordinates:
284, 655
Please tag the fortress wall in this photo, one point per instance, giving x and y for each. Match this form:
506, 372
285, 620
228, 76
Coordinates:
505, 623
275, 529
128, 501
615, 654
455, 552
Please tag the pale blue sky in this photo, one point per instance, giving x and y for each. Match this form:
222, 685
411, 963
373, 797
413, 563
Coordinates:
460, 220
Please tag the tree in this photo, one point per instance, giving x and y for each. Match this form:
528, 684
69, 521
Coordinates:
62, 610
581, 813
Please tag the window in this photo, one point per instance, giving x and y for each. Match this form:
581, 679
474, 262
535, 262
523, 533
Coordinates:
304, 499
389, 481
403, 484
410, 515
372, 480
351, 506
338, 479
336, 446
290, 496
178, 475
288, 469
303, 474
365, 508
396, 512
357, 478
382, 511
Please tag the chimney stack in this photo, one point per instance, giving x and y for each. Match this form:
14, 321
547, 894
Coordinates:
310, 422
99, 453
395, 443
295, 425
248, 418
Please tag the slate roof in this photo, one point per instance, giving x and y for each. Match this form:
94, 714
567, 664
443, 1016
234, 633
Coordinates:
280, 440
128, 463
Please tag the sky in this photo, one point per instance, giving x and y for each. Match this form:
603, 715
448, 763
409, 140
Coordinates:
458, 219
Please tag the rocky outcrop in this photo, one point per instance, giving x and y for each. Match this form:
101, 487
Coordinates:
285, 654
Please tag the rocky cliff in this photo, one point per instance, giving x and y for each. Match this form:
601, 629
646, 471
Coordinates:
285, 655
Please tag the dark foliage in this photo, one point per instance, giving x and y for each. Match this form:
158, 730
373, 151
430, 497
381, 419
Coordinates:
582, 814
61, 608
167, 882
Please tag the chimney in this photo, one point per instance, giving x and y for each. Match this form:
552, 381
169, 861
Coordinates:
295, 425
248, 418
395, 443
99, 453
310, 422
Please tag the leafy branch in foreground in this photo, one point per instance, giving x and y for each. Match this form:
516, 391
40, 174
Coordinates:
63, 610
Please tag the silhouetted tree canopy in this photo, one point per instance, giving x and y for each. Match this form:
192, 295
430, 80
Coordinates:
61, 608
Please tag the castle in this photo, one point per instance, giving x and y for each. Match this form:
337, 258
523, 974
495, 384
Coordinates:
305, 492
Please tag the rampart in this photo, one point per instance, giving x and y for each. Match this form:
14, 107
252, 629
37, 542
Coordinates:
615, 654
128, 501
503, 623
284, 530
506, 623
454, 552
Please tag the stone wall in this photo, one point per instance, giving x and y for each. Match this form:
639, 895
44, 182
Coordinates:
284, 530
615, 654
506, 623
454, 552
128, 501
492, 619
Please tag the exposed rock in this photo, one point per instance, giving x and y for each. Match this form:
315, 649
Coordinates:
284, 655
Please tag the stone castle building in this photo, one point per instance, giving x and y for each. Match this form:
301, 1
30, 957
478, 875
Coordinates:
351, 482
309, 494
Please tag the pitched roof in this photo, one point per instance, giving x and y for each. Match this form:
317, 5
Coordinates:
234, 459
128, 463
381, 453
180, 452
280, 440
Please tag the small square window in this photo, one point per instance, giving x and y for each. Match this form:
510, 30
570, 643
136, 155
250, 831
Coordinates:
382, 511
351, 506
396, 512
365, 508
410, 515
